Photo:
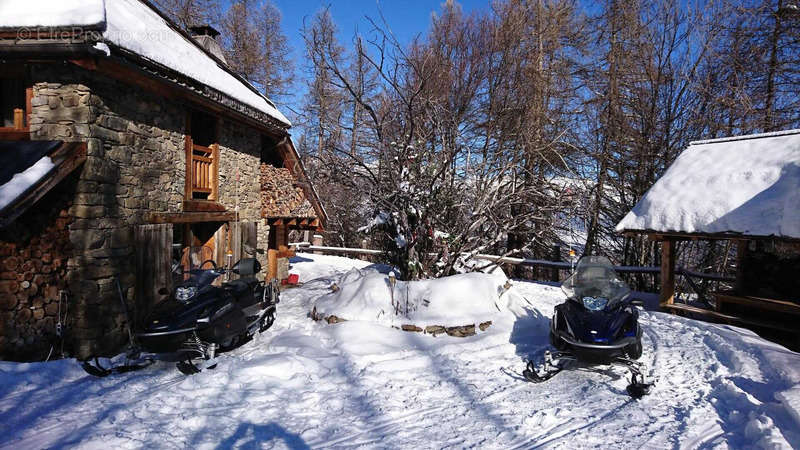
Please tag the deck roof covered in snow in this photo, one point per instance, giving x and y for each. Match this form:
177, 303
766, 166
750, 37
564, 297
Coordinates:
137, 27
29, 169
746, 186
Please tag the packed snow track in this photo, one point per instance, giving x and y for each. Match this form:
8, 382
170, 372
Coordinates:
306, 384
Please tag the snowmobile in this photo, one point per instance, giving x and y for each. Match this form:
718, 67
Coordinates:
597, 324
200, 319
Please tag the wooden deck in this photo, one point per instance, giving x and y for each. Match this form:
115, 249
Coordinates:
754, 304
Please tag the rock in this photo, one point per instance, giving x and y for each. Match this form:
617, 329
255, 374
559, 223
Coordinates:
413, 328
483, 326
463, 331
435, 330
333, 319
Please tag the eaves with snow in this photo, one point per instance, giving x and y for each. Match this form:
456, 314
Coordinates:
134, 29
738, 186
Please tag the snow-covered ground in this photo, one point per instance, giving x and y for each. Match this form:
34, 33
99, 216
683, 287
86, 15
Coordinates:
360, 384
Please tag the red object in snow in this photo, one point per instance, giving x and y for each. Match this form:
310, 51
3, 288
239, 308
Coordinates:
293, 279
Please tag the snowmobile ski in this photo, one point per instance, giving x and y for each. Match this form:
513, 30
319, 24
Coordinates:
554, 362
638, 386
549, 368
96, 369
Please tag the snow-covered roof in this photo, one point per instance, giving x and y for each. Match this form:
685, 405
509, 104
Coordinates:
134, 26
52, 13
748, 185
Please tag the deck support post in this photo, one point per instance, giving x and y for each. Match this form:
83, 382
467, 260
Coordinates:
667, 296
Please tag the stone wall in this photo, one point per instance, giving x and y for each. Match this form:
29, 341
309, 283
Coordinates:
135, 166
239, 182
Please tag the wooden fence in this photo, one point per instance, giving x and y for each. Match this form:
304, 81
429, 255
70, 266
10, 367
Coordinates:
512, 261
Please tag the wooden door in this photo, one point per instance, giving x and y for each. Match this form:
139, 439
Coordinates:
153, 243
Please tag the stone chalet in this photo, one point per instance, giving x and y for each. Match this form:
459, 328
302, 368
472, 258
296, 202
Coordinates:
128, 148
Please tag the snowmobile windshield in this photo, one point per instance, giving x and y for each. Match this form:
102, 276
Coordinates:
595, 283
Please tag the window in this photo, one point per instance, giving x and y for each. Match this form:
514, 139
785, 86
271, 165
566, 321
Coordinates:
269, 152
202, 157
15, 105
12, 103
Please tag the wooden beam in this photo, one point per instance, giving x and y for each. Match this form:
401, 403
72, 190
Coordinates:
667, 296
679, 236
731, 318
66, 158
759, 303
11, 134
193, 217
202, 206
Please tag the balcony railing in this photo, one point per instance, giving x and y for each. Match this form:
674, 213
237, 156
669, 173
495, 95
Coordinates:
202, 160
204, 171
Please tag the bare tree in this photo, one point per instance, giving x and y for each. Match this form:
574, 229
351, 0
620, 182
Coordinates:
256, 47
188, 13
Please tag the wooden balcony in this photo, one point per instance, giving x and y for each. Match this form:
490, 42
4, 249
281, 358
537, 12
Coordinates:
204, 172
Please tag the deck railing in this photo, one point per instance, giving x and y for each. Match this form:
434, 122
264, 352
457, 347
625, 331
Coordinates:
204, 170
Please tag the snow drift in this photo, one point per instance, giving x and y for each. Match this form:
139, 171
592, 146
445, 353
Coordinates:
463, 299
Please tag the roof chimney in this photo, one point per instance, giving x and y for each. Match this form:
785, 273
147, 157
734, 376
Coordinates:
206, 36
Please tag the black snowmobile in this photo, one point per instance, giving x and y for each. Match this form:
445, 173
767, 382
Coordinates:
597, 324
200, 319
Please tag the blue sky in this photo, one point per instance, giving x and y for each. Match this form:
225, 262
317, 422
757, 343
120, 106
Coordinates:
406, 18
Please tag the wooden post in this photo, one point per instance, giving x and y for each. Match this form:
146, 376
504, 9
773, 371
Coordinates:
667, 272
214, 172
272, 264
741, 254
278, 240
187, 147
19, 121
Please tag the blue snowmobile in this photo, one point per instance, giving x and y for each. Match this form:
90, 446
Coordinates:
597, 324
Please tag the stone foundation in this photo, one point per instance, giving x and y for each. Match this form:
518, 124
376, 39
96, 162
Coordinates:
433, 330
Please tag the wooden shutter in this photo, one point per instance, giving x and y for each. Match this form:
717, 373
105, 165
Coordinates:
235, 236
249, 239
153, 243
